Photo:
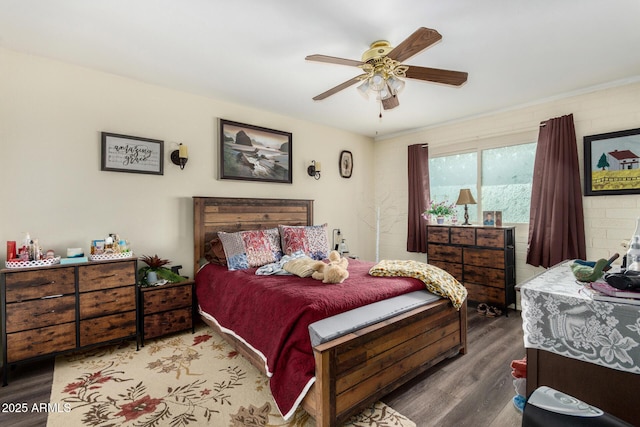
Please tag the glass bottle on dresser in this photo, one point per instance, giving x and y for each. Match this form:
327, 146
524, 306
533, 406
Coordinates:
633, 254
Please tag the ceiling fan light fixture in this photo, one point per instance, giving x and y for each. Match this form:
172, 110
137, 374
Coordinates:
377, 81
385, 93
395, 84
363, 89
384, 72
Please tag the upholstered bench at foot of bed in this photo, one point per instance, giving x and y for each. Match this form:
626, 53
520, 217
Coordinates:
341, 324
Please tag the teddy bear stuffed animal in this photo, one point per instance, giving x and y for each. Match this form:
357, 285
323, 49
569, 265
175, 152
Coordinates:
333, 272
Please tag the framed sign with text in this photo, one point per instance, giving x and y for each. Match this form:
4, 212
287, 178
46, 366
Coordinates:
123, 153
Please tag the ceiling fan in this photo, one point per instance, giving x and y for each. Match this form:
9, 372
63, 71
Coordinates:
383, 70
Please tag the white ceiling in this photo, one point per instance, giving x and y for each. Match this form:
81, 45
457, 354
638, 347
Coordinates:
252, 52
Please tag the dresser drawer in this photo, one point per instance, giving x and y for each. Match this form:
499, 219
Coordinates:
157, 299
486, 294
491, 238
38, 313
444, 253
463, 236
452, 268
493, 258
159, 324
107, 275
107, 328
34, 284
438, 234
484, 276
108, 301
41, 341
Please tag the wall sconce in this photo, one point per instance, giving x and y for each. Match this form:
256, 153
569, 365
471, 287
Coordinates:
180, 156
314, 169
466, 198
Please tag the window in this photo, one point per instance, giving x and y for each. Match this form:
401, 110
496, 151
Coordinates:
507, 174
506, 177
448, 174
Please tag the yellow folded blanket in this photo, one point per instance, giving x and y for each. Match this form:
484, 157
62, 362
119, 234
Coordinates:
435, 279
302, 267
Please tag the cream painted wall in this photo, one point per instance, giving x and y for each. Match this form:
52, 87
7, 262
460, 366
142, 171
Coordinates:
608, 219
51, 116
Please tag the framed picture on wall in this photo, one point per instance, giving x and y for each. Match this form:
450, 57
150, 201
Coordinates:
253, 153
346, 164
124, 153
612, 163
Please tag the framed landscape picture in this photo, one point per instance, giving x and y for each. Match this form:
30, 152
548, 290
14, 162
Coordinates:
254, 153
612, 163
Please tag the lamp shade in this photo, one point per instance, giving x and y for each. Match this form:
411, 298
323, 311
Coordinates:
465, 197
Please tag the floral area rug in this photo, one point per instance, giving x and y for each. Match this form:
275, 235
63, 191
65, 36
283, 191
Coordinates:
188, 379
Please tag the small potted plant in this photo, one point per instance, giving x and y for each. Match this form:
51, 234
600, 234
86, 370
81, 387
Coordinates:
440, 210
155, 272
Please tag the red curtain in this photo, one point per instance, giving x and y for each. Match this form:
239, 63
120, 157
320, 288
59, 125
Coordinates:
556, 220
418, 197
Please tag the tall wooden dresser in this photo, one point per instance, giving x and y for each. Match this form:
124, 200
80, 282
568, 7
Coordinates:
481, 258
49, 310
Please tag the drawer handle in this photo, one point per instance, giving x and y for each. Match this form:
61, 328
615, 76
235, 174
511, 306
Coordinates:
107, 276
113, 300
33, 285
43, 314
52, 296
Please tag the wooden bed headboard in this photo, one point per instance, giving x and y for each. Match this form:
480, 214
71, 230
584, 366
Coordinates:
213, 214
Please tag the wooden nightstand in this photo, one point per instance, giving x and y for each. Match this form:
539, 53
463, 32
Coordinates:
167, 308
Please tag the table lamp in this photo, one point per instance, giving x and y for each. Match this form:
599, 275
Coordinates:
465, 198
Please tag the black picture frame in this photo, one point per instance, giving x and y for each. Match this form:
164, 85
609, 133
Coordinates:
133, 154
612, 163
345, 164
261, 155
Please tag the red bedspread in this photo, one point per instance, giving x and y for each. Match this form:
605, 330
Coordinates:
272, 314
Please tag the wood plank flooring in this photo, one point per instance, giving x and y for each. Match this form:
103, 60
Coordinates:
471, 390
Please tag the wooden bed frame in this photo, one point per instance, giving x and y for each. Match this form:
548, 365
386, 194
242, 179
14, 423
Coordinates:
355, 370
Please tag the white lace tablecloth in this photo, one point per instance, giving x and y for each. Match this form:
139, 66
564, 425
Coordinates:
560, 318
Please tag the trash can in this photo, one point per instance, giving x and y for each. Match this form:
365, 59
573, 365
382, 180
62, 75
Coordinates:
547, 407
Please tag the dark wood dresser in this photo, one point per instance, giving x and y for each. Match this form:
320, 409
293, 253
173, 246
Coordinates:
481, 258
50, 310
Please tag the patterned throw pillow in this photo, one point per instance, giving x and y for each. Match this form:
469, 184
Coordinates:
310, 239
249, 249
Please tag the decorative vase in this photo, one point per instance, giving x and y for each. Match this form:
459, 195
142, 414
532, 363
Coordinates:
152, 277
440, 219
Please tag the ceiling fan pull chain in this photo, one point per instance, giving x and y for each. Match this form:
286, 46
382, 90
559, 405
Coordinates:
380, 115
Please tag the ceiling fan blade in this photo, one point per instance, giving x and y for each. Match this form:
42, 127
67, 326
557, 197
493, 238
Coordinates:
334, 60
437, 75
337, 89
421, 39
390, 103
